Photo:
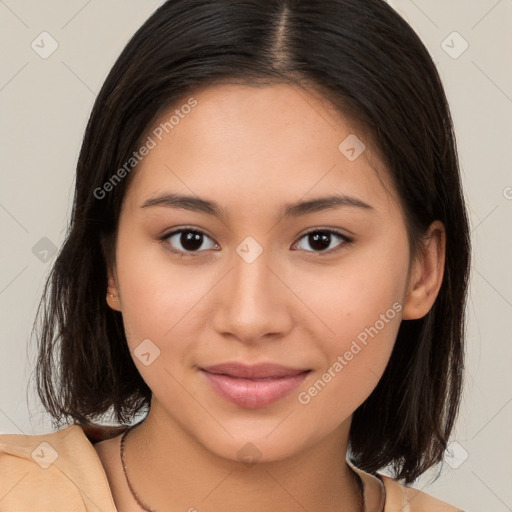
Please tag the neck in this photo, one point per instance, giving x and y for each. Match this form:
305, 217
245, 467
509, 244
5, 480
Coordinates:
167, 467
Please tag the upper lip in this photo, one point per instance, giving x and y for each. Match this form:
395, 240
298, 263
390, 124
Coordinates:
257, 371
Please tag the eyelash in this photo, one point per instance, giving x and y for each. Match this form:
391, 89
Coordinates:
164, 238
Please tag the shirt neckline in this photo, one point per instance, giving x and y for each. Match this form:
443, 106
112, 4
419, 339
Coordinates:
374, 489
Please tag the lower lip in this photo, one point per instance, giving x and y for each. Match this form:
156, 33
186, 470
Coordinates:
253, 393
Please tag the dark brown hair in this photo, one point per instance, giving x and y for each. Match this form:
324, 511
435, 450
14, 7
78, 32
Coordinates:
369, 63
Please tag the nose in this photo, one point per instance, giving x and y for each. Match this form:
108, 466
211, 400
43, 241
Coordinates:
253, 302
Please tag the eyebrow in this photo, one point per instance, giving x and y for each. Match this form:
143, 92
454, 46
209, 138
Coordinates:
197, 204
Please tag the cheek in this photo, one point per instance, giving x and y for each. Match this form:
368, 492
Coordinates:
355, 367
161, 301
359, 306
352, 295
364, 320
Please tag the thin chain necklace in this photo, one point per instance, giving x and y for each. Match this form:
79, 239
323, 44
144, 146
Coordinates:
146, 508
123, 462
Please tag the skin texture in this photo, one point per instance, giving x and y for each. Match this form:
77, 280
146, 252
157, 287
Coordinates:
253, 150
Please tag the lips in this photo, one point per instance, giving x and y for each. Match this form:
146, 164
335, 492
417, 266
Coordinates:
255, 386
259, 371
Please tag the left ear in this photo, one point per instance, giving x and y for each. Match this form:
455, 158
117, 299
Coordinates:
426, 273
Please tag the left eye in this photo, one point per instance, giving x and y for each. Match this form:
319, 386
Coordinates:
321, 239
191, 240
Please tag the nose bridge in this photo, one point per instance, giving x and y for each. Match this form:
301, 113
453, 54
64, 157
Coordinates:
251, 274
252, 283
252, 302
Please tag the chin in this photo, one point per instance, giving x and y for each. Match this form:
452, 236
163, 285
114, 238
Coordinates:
251, 445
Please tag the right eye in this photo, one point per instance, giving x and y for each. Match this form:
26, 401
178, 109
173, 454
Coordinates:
189, 239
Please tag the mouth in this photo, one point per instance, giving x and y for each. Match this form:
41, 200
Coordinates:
255, 386
259, 371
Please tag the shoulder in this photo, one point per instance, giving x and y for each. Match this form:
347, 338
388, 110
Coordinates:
387, 494
400, 498
56, 471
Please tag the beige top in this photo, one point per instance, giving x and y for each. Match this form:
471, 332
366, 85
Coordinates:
61, 471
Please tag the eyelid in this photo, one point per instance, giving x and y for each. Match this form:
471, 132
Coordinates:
332, 231
163, 238
346, 239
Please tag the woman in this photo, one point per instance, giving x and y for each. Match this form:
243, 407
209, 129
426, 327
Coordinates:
268, 258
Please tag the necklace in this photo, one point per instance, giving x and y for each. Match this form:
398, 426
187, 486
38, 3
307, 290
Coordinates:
123, 462
360, 485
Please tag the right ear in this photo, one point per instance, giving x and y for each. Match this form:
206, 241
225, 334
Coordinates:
113, 297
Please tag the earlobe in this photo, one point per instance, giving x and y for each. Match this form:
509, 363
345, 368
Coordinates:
426, 274
112, 292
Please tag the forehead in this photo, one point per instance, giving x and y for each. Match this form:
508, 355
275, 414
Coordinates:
256, 143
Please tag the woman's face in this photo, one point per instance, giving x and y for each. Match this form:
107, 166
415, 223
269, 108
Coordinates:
251, 286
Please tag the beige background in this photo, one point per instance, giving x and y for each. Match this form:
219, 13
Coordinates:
45, 103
